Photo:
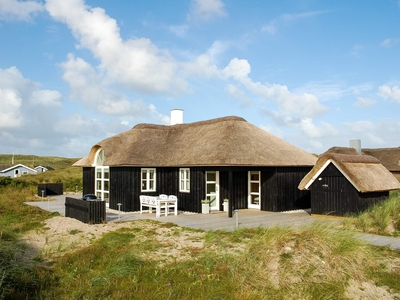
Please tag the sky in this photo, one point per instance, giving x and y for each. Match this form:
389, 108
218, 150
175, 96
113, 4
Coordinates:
313, 73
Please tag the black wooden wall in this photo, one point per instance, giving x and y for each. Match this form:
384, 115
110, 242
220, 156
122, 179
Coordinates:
88, 180
333, 194
279, 190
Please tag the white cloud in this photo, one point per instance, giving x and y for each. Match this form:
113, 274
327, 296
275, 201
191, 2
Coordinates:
10, 109
324, 129
19, 10
87, 87
75, 125
179, 30
237, 93
270, 27
364, 102
305, 104
390, 92
19, 99
387, 43
136, 63
204, 10
273, 25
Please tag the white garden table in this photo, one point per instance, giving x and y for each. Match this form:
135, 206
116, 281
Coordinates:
159, 202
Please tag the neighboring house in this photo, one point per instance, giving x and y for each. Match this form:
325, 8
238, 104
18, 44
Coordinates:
389, 157
344, 181
215, 159
15, 170
42, 169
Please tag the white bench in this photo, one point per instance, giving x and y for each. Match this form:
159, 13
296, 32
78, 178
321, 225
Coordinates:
162, 202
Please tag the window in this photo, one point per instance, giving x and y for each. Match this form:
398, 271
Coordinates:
148, 180
254, 189
184, 180
102, 180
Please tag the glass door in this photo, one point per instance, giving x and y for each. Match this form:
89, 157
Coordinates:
254, 196
212, 189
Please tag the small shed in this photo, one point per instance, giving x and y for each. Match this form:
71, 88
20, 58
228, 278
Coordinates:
347, 183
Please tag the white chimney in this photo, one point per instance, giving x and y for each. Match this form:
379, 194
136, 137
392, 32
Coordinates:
356, 144
176, 116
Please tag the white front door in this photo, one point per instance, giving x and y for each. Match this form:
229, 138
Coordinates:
254, 196
212, 189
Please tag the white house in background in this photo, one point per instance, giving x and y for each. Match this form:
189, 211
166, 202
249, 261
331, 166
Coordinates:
15, 170
42, 169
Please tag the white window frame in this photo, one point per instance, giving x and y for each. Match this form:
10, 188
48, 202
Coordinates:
258, 193
184, 181
103, 193
148, 180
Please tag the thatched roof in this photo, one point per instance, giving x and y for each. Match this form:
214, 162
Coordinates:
364, 172
228, 141
389, 157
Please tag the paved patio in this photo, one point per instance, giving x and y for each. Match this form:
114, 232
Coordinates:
249, 218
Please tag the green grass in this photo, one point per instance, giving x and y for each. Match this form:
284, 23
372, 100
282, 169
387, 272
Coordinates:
63, 172
382, 218
313, 262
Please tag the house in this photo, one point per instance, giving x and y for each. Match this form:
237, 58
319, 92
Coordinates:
15, 170
214, 159
42, 169
389, 157
345, 181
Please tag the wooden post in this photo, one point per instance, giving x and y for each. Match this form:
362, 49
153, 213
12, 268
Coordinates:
230, 194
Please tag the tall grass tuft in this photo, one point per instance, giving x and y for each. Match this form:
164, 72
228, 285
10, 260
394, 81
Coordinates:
382, 218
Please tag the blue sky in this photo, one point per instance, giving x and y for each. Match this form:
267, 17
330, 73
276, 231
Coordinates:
314, 73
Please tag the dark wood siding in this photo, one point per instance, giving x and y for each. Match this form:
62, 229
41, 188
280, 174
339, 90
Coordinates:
124, 187
88, 178
333, 194
279, 190
278, 187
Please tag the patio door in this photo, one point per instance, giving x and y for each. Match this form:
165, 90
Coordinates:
254, 196
212, 189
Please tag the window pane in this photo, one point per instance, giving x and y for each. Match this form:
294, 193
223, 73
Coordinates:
212, 200
106, 185
98, 184
211, 176
144, 186
98, 173
211, 188
106, 174
98, 195
188, 185
144, 174
182, 188
151, 174
254, 176
255, 199
254, 187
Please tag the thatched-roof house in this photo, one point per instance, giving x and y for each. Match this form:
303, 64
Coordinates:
389, 157
347, 183
215, 159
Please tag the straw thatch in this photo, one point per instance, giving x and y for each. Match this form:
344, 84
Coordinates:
364, 172
228, 141
389, 157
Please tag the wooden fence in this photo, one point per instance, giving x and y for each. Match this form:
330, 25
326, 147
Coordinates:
50, 189
91, 212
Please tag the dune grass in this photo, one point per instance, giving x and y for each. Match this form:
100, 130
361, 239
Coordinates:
382, 218
145, 262
277, 263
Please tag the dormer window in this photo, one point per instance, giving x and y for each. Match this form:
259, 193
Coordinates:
100, 157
